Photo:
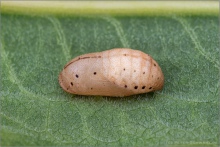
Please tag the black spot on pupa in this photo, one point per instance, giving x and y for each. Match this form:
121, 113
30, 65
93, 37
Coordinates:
71, 83
143, 87
91, 88
135, 87
94, 73
77, 76
155, 64
143, 72
150, 88
126, 86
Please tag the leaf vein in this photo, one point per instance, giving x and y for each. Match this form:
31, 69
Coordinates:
61, 37
119, 30
196, 42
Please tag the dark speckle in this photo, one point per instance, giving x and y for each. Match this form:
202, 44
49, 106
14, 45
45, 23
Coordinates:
126, 86
143, 72
143, 87
71, 83
77, 76
94, 73
134, 70
150, 88
125, 54
155, 64
152, 76
135, 87
91, 88
124, 69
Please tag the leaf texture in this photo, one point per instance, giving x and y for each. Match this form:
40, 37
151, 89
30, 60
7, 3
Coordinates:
36, 111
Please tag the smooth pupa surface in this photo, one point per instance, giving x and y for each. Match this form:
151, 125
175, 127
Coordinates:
116, 72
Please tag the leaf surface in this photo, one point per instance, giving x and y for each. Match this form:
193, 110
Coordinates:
36, 111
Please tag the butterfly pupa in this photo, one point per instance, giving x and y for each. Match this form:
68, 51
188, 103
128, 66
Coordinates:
116, 72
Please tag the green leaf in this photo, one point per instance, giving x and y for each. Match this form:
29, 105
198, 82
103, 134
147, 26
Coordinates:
35, 111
